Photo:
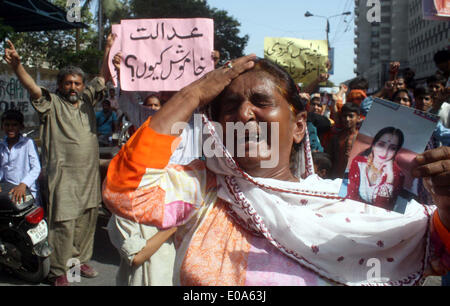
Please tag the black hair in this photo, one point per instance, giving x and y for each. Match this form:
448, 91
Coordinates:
387, 130
408, 72
156, 95
70, 70
422, 91
106, 101
322, 160
401, 75
13, 114
315, 98
358, 83
441, 56
410, 82
321, 123
350, 107
394, 96
437, 78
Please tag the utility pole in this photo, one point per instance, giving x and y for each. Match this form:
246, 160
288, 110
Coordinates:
328, 33
309, 14
77, 39
100, 25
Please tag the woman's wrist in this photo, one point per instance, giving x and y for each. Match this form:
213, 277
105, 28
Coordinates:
442, 233
178, 109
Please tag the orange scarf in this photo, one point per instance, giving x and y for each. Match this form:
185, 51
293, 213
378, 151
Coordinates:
356, 96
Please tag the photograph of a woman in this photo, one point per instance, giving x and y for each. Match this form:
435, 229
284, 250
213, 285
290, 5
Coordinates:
374, 176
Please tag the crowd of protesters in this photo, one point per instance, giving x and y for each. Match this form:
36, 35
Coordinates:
73, 131
336, 123
206, 238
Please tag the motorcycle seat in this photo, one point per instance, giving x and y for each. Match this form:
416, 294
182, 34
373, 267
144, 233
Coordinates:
7, 205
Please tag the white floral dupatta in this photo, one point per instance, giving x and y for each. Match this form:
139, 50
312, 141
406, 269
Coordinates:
341, 240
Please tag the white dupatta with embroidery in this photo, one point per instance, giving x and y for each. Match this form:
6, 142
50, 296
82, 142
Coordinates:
341, 240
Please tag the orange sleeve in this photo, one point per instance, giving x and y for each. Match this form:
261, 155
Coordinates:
145, 149
442, 231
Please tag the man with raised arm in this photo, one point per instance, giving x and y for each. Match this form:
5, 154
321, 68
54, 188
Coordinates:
70, 159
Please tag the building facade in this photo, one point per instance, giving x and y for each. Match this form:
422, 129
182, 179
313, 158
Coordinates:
425, 38
400, 35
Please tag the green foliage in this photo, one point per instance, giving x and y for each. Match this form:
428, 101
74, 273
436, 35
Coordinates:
87, 59
112, 12
4, 30
226, 28
226, 35
55, 49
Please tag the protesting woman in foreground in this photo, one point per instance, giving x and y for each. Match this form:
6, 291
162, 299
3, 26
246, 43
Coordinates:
245, 220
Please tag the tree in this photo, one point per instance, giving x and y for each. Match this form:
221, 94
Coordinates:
226, 38
57, 49
4, 30
108, 12
226, 29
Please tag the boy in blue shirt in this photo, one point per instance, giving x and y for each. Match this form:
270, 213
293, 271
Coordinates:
19, 159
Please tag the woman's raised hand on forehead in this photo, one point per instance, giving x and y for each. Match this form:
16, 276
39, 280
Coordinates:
182, 105
213, 83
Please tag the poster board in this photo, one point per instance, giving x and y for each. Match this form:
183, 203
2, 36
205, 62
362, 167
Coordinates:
304, 60
162, 54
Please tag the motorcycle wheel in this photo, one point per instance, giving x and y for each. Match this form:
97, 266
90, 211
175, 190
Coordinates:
33, 268
35, 273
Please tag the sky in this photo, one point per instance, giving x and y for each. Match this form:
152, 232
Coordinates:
285, 18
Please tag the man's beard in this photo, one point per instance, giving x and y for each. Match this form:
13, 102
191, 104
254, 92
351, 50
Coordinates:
72, 98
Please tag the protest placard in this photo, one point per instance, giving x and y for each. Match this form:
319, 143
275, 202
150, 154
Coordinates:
379, 167
163, 54
116, 47
302, 59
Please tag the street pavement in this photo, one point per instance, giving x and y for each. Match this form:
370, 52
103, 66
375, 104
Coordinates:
105, 257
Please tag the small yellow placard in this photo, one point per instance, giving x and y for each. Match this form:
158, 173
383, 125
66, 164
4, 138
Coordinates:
302, 59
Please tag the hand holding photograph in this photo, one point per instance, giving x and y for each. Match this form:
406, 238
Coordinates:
378, 171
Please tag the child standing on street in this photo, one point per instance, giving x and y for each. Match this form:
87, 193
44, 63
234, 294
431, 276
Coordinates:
19, 159
147, 255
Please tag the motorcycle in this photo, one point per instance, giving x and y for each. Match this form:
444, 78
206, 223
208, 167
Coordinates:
24, 248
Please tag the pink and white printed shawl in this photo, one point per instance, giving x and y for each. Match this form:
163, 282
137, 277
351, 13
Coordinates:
343, 241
